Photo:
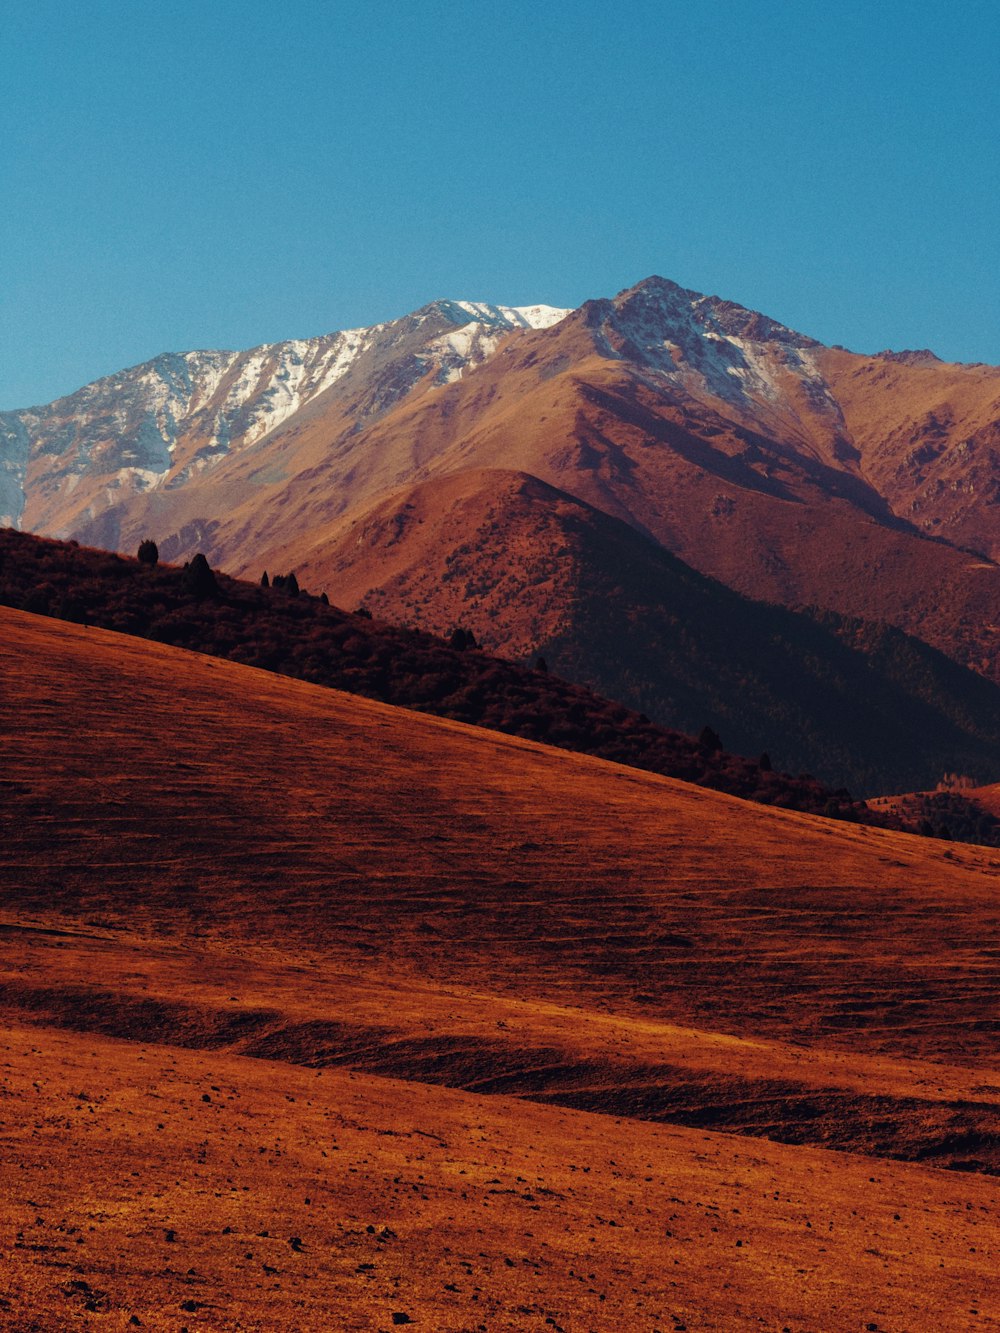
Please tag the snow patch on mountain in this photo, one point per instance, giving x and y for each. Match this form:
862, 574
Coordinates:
502, 316
130, 425
477, 338
291, 374
511, 316
468, 346
537, 316
705, 344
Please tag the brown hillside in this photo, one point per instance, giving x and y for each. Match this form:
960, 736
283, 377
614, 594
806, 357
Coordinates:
195, 854
988, 798
929, 438
531, 569
264, 809
416, 557
966, 812
226, 1193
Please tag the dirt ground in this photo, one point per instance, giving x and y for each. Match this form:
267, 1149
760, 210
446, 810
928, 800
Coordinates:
585, 1048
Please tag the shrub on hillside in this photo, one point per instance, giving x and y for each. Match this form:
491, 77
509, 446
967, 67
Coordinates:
199, 578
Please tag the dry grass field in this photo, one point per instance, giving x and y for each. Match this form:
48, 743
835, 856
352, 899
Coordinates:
320, 1014
166, 1188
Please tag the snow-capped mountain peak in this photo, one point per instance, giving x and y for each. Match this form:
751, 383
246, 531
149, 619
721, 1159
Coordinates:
501, 316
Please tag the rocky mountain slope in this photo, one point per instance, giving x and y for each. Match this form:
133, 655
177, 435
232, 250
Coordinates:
534, 570
741, 465
929, 438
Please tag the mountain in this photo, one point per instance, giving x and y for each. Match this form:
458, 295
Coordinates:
793, 473
359, 1014
739, 464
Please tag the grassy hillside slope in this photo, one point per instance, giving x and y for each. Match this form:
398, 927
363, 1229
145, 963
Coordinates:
264, 947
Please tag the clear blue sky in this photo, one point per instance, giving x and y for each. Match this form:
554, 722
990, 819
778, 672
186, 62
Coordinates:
218, 174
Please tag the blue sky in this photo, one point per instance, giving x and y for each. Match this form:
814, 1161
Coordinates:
219, 174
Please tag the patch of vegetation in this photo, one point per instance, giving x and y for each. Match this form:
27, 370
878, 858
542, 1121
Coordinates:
951, 815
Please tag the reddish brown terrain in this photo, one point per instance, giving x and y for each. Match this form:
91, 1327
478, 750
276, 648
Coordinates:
531, 569
929, 438
859, 706
320, 1013
988, 798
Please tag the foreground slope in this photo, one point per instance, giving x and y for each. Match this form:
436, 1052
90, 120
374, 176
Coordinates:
225, 1193
194, 854
264, 810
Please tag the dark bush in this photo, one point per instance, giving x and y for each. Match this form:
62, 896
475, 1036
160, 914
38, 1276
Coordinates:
709, 741
199, 577
461, 639
286, 583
